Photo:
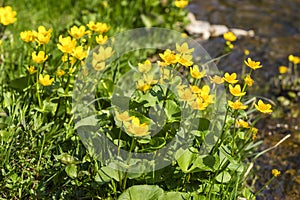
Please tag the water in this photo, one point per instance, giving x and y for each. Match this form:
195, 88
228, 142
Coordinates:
277, 27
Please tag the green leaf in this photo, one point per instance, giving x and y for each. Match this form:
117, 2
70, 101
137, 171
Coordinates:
185, 159
172, 110
71, 170
6, 136
175, 196
142, 192
223, 177
203, 124
146, 20
67, 159
20, 83
107, 172
88, 121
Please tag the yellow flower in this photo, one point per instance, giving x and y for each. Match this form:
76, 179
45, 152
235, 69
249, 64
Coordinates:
77, 32
204, 94
67, 45
186, 94
198, 104
0, 42
275, 172
43, 36
32, 70
195, 73
145, 83
27, 36
103, 54
230, 78
60, 72
181, 3
136, 128
195, 89
100, 39
145, 67
45, 80
262, 107
184, 48
248, 80
79, 53
123, 117
229, 44
246, 52
99, 66
98, 27
217, 79
252, 64
236, 90
229, 36
294, 59
254, 132
237, 105
40, 57
169, 57
185, 60
242, 123
7, 15
283, 69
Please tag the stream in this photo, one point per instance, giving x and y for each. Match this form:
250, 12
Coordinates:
276, 24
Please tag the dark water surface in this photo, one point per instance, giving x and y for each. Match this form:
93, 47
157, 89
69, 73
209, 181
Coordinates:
277, 34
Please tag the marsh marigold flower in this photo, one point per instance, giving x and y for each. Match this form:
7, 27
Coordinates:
98, 27
252, 64
195, 73
198, 104
79, 53
43, 35
7, 15
136, 128
230, 78
181, 3
237, 105
229, 36
32, 70
60, 72
122, 117
77, 32
27, 36
100, 39
185, 59
242, 123
184, 48
186, 94
262, 107
283, 69
236, 90
40, 57
45, 80
66, 45
246, 52
217, 79
275, 172
248, 80
169, 57
144, 67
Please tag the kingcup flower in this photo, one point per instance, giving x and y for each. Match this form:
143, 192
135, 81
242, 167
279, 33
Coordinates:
40, 57
45, 80
137, 128
181, 3
184, 48
229, 36
262, 107
79, 53
60, 72
252, 64
275, 172
283, 69
186, 94
66, 45
145, 83
237, 105
27, 36
195, 73
169, 57
7, 15
217, 79
98, 27
248, 80
241, 123
32, 70
77, 32
42, 36
100, 39
230, 78
236, 90
294, 59
185, 60
144, 67
122, 117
